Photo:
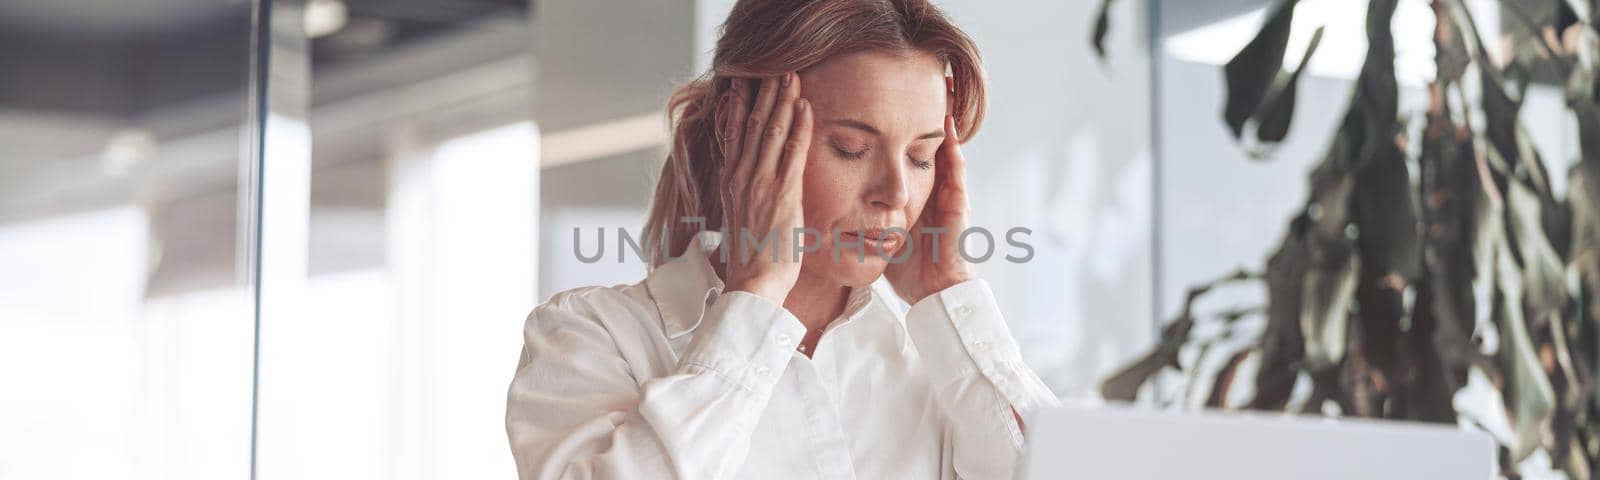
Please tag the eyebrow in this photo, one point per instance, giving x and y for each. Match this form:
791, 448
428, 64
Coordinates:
862, 126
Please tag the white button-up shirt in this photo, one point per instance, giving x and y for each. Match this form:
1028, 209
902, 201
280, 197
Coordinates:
671, 377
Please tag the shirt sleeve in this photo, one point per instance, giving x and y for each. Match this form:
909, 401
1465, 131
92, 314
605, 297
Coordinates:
978, 377
575, 411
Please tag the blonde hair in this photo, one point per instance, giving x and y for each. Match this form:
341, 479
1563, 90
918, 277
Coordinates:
763, 38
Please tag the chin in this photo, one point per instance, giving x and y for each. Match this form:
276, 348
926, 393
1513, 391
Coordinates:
848, 271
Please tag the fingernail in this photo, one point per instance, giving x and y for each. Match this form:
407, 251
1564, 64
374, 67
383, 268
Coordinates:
786, 79
800, 105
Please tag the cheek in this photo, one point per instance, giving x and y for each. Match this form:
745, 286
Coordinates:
827, 191
921, 194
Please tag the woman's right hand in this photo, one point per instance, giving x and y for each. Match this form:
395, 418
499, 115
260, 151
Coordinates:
765, 139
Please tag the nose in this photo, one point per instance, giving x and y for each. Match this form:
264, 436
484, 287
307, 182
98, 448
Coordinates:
887, 189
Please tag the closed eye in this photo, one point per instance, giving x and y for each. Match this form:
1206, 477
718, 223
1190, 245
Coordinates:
846, 153
922, 164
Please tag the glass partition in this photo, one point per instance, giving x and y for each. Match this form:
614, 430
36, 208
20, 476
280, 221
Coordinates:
398, 209
127, 305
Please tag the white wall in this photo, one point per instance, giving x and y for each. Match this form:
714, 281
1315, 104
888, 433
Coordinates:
1066, 152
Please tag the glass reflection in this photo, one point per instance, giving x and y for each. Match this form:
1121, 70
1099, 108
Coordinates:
126, 310
399, 198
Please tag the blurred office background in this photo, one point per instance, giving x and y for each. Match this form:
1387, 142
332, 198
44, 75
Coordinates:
300, 237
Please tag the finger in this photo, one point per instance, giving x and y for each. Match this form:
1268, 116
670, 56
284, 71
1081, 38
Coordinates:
776, 135
760, 115
739, 109
955, 164
744, 99
791, 179
745, 90
798, 147
740, 95
733, 113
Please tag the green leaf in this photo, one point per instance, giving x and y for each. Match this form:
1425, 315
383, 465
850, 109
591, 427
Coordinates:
1282, 344
1501, 112
1543, 272
1102, 26
1528, 393
1452, 55
1124, 385
1224, 380
1583, 193
1565, 16
1387, 215
1251, 72
1278, 111
1328, 287
1390, 250
1377, 101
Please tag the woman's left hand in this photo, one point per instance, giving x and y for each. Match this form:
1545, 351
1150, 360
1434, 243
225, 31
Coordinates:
935, 262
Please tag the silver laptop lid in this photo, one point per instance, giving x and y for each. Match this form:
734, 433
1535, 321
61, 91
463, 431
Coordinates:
1116, 442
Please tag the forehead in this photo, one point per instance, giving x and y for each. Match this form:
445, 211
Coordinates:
893, 91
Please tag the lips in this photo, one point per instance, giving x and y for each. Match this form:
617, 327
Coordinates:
876, 240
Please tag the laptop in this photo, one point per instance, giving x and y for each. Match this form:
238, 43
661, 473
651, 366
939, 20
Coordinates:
1120, 442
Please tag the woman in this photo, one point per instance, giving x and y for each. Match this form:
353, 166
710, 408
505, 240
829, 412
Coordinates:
785, 356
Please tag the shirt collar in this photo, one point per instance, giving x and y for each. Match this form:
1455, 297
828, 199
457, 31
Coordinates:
856, 306
684, 287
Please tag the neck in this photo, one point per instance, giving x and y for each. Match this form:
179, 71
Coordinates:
816, 301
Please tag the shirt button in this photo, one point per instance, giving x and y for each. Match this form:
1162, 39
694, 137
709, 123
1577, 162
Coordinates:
963, 311
980, 346
783, 339
760, 371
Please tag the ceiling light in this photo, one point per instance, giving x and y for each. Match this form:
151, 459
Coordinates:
126, 150
325, 17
